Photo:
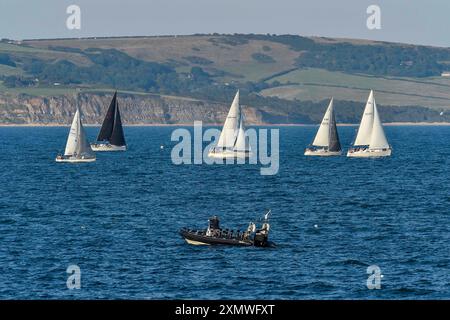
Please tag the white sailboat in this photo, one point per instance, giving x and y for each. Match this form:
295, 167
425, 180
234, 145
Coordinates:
370, 140
77, 146
326, 142
232, 141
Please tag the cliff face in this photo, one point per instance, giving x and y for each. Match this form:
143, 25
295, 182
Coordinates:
155, 109
135, 109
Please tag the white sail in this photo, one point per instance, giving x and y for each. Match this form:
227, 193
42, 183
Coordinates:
378, 139
241, 141
77, 142
229, 132
72, 140
83, 145
322, 138
365, 128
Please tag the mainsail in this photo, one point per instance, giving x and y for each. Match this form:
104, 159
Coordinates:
334, 144
230, 131
365, 128
72, 140
327, 135
323, 134
77, 142
241, 140
111, 129
378, 139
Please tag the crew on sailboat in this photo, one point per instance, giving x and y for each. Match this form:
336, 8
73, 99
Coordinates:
370, 140
326, 142
77, 146
232, 141
111, 137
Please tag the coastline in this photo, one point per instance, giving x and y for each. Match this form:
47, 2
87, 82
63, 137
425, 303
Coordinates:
221, 124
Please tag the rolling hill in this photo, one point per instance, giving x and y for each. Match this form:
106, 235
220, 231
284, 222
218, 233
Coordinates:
283, 79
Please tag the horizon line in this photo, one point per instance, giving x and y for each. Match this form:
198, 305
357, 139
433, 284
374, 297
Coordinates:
338, 39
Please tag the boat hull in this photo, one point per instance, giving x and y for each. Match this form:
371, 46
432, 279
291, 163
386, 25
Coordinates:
229, 154
368, 153
107, 147
322, 153
201, 239
75, 160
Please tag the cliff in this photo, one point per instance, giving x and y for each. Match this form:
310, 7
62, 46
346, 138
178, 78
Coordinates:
135, 109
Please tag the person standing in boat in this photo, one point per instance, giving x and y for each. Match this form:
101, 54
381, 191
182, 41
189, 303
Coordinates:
250, 231
213, 226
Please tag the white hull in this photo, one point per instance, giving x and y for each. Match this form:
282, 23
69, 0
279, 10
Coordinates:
75, 160
107, 147
368, 153
196, 243
322, 153
229, 154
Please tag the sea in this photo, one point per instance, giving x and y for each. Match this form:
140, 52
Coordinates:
344, 228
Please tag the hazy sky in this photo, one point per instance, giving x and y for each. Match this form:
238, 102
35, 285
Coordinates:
410, 21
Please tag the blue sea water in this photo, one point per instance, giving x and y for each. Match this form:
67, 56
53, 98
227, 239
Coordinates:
118, 220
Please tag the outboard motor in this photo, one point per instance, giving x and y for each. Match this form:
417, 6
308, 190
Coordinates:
261, 236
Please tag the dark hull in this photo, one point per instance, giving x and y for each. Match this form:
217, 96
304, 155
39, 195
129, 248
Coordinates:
199, 238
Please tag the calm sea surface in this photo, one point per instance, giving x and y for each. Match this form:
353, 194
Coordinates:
118, 220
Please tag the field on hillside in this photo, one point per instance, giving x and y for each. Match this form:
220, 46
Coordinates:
317, 84
233, 60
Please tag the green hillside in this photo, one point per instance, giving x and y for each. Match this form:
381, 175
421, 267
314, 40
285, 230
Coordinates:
276, 71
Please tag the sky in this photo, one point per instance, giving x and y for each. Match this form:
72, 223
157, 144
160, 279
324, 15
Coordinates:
409, 21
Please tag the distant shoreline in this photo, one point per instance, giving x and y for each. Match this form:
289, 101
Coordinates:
221, 124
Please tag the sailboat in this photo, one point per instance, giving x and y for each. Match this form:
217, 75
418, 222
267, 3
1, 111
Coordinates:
232, 141
326, 142
77, 146
370, 140
111, 137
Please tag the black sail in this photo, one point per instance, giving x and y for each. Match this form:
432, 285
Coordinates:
108, 123
117, 137
334, 145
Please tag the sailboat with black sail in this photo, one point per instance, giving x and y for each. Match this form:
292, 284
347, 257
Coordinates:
111, 136
326, 142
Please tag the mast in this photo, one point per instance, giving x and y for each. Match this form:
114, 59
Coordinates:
365, 128
229, 132
108, 122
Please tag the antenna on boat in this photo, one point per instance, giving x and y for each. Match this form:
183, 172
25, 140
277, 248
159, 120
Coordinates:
267, 215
